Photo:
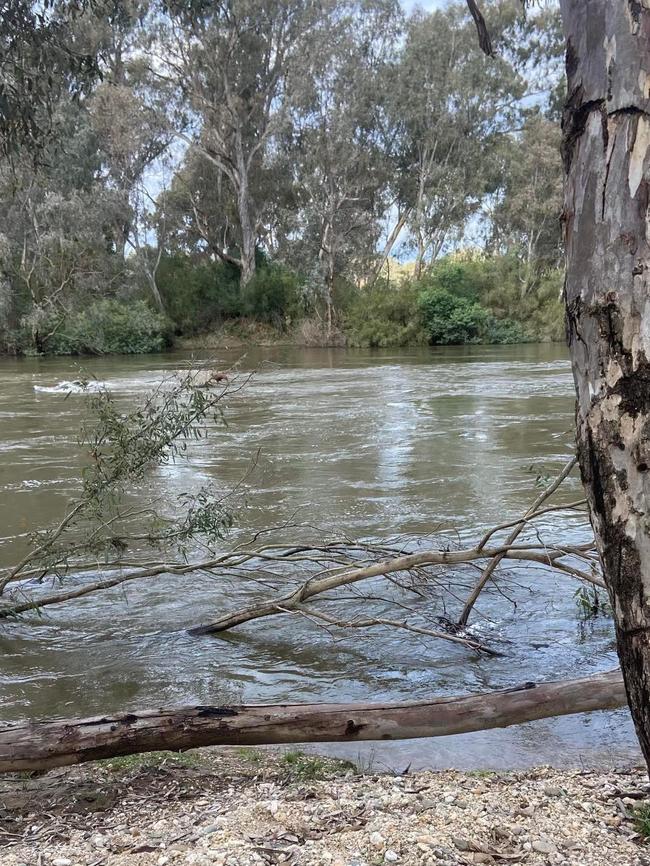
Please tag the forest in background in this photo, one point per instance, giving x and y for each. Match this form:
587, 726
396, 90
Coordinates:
329, 173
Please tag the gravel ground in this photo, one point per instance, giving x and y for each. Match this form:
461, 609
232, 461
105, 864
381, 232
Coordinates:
247, 807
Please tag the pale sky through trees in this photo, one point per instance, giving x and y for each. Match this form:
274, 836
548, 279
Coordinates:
427, 5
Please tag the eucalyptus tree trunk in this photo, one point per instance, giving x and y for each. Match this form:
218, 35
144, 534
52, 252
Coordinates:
247, 256
245, 212
606, 143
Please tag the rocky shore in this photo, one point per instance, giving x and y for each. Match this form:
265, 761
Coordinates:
249, 808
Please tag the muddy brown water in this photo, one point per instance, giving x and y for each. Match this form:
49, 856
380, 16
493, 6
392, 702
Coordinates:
380, 443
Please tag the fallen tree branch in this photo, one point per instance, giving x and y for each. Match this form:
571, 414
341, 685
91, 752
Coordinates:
492, 566
404, 625
318, 585
347, 571
44, 745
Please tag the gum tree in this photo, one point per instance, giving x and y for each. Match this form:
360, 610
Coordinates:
607, 234
605, 146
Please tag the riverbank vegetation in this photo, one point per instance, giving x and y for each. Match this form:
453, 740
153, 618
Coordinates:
340, 173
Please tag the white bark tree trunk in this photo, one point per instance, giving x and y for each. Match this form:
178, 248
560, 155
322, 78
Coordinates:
246, 216
607, 230
247, 257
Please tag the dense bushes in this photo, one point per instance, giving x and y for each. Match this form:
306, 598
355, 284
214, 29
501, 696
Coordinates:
470, 299
105, 327
385, 316
201, 295
198, 294
490, 299
273, 295
461, 299
450, 319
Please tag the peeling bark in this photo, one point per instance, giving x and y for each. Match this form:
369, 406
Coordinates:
607, 229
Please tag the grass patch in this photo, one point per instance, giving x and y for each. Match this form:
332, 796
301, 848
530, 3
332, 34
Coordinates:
251, 755
147, 760
641, 817
301, 767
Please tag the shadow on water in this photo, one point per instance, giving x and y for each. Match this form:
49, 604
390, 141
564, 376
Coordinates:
380, 443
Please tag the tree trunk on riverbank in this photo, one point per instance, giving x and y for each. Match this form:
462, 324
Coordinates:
44, 745
606, 144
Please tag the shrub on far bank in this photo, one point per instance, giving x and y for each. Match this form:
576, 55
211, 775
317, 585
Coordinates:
538, 308
197, 294
272, 295
200, 295
385, 315
455, 319
107, 327
451, 319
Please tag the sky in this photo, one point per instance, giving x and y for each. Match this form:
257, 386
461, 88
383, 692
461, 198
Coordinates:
427, 5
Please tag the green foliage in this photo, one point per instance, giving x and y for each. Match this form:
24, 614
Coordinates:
301, 767
450, 319
591, 603
536, 306
463, 277
486, 299
384, 315
642, 819
105, 327
505, 331
198, 293
461, 299
272, 294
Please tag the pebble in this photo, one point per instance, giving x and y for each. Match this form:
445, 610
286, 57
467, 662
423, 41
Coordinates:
425, 819
544, 846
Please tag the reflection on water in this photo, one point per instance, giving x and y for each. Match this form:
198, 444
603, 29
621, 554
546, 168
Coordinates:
379, 443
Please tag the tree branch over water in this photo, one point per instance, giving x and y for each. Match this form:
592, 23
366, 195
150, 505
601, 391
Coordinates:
105, 541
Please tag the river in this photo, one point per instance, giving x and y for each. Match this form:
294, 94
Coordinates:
376, 442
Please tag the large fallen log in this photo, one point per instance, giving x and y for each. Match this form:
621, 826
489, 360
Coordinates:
43, 745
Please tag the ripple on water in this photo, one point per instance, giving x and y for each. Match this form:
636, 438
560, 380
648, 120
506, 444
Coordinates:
376, 444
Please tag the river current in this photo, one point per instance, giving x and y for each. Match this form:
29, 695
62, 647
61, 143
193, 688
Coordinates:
376, 443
